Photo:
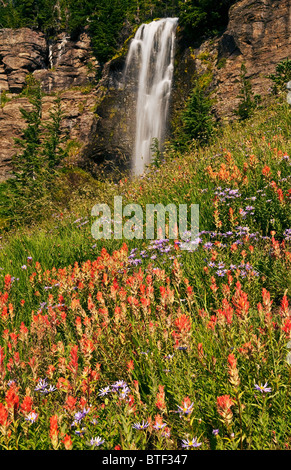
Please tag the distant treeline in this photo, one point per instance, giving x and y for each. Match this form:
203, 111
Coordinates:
105, 19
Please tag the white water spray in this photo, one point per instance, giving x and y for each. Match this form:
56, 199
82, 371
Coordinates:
151, 52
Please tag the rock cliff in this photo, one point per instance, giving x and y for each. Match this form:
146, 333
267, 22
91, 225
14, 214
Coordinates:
100, 117
64, 66
258, 34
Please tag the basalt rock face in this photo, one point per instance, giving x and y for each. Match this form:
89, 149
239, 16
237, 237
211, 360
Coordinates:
22, 51
111, 144
65, 67
258, 35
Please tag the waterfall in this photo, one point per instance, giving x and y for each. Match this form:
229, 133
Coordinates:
151, 59
51, 56
61, 47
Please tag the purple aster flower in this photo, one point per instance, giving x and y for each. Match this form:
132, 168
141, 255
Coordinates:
31, 417
215, 432
41, 386
188, 444
141, 426
158, 426
263, 388
80, 432
221, 272
208, 245
124, 392
79, 416
186, 408
169, 356
119, 384
96, 441
104, 391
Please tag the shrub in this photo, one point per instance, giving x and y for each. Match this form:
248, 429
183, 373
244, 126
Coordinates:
281, 77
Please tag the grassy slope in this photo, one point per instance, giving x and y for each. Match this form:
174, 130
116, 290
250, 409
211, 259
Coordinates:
183, 345
59, 240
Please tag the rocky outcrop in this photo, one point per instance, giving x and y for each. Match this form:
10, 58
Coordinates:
110, 147
22, 51
258, 35
70, 64
65, 67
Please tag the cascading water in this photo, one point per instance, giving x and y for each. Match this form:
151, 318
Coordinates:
151, 57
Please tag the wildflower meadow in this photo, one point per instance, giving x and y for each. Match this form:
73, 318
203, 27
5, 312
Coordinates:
140, 345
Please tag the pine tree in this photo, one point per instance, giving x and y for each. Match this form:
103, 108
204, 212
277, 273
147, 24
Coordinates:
27, 165
196, 118
248, 102
53, 147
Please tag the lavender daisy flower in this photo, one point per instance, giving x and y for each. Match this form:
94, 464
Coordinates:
263, 388
31, 417
41, 386
96, 441
104, 391
78, 416
11, 382
85, 411
119, 384
221, 272
215, 432
188, 444
141, 426
158, 426
208, 245
186, 408
124, 392
80, 432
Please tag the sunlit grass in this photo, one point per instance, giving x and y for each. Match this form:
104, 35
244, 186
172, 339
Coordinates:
199, 340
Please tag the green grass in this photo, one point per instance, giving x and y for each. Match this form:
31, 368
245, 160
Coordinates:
167, 325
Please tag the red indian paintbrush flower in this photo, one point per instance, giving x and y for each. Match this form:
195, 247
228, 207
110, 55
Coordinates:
3, 415
54, 432
12, 399
232, 370
224, 404
26, 405
160, 400
68, 442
